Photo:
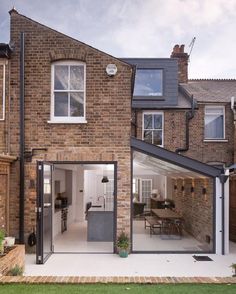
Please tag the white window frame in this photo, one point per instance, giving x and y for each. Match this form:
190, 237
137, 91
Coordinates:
154, 112
205, 110
3, 94
64, 119
141, 192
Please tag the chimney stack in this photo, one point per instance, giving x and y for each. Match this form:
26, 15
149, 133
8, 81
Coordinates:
178, 52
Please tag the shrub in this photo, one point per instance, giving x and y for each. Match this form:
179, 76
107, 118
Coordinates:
16, 271
123, 241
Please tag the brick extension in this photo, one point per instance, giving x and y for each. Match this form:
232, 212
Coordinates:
116, 280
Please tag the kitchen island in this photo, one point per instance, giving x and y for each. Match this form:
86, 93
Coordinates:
100, 225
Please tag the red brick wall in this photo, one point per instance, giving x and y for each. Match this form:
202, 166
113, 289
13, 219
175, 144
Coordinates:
196, 208
174, 135
105, 136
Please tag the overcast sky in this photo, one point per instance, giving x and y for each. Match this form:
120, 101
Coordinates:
143, 28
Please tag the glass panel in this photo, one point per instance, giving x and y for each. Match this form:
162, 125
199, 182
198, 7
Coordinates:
47, 211
61, 104
147, 136
77, 77
214, 127
61, 77
174, 229
147, 121
157, 121
157, 137
76, 104
148, 82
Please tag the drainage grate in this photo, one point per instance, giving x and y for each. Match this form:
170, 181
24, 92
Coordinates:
202, 258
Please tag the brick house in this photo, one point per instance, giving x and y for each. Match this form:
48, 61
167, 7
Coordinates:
75, 176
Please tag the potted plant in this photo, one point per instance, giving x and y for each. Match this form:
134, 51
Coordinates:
233, 266
2, 236
123, 244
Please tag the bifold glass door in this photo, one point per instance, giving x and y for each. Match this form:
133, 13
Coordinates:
44, 212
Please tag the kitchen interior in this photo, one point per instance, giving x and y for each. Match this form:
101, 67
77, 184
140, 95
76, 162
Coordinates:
83, 201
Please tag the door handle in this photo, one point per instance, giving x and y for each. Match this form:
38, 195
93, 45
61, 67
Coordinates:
47, 204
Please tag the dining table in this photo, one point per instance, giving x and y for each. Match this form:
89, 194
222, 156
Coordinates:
166, 214
171, 221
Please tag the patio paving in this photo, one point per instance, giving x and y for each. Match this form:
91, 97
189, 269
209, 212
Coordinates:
136, 265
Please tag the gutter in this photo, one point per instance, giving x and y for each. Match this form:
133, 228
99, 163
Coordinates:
134, 69
223, 178
22, 138
188, 117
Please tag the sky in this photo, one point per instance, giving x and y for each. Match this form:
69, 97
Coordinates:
142, 28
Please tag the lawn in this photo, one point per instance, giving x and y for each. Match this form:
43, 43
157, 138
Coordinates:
114, 288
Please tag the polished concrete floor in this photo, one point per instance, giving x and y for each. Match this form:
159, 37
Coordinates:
74, 240
142, 241
158, 265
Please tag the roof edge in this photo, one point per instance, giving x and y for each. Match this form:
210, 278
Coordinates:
213, 80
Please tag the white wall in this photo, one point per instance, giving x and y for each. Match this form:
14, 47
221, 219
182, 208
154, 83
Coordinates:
93, 187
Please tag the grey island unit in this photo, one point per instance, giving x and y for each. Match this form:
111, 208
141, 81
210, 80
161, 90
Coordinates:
100, 225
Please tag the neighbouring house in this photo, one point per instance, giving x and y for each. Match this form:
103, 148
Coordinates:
93, 145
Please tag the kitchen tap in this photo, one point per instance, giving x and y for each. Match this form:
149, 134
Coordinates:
104, 201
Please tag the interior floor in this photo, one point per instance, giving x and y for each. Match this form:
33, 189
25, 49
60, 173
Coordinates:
142, 241
74, 240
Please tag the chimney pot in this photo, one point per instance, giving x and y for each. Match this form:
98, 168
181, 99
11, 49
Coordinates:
181, 49
182, 57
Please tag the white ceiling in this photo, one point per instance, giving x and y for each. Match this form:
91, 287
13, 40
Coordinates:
145, 164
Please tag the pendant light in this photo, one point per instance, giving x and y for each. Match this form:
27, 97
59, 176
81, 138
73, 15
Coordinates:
104, 178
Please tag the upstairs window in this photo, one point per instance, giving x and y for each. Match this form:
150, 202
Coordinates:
214, 122
153, 128
68, 92
148, 83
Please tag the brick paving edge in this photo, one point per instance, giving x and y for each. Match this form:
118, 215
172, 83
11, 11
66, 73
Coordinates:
115, 280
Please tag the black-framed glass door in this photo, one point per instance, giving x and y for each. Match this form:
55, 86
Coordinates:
44, 246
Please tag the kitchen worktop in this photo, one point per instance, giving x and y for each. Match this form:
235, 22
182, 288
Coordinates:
98, 209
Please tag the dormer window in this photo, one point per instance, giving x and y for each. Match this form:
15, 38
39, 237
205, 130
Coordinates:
148, 83
68, 92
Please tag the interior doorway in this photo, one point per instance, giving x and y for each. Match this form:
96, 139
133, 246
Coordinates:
76, 208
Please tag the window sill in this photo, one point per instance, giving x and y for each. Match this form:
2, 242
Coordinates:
82, 121
215, 140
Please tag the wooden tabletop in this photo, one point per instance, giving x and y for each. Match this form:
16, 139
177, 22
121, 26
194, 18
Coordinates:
166, 213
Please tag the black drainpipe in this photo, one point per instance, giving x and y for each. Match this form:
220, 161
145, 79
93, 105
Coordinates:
223, 178
22, 138
188, 117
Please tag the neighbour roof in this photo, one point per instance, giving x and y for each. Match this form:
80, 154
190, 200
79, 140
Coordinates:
211, 90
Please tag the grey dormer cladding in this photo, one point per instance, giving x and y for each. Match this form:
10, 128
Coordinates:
170, 82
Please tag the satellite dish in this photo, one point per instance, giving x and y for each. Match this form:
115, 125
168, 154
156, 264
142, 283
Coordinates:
111, 70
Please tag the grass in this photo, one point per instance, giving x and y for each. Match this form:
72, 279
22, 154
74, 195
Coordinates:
117, 289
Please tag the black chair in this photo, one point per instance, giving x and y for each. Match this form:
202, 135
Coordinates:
138, 208
88, 205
